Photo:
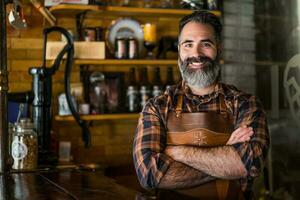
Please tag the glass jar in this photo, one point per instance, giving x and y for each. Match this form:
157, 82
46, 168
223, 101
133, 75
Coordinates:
24, 146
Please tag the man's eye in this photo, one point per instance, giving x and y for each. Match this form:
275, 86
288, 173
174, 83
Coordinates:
188, 45
206, 44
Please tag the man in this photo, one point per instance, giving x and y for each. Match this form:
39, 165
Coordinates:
169, 152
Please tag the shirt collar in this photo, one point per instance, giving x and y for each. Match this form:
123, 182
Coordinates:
183, 88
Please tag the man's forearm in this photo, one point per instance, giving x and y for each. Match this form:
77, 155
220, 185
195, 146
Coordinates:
220, 162
180, 176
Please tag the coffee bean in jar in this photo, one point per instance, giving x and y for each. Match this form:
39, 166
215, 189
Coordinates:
24, 146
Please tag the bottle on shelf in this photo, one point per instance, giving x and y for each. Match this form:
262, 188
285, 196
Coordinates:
212, 5
166, 3
98, 93
132, 93
170, 78
145, 87
157, 88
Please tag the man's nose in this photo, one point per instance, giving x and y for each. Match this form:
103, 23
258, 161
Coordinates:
197, 51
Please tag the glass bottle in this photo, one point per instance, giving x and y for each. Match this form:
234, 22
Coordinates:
157, 84
125, 2
132, 92
148, 3
212, 5
170, 78
145, 87
166, 3
98, 93
24, 146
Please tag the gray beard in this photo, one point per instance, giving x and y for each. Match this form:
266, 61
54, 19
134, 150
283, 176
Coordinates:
199, 78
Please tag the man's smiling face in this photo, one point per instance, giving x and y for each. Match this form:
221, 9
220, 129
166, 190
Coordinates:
196, 40
198, 52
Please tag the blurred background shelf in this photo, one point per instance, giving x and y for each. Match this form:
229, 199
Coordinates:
119, 10
99, 117
124, 62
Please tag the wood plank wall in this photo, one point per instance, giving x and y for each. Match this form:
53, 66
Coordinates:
111, 140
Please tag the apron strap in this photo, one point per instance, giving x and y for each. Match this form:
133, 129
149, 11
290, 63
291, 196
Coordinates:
178, 109
223, 109
222, 187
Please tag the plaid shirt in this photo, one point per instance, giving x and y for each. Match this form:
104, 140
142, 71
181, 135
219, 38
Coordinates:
150, 139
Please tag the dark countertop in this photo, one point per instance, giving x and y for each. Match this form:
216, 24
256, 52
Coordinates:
74, 184
62, 185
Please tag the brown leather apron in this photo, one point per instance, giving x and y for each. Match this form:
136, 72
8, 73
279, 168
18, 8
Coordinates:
203, 129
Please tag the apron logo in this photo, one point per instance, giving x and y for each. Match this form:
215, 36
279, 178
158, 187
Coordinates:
201, 138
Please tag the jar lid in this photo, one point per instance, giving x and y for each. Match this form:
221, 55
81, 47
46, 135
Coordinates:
25, 123
97, 77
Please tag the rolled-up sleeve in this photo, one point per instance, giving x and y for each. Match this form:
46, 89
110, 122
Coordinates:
254, 152
149, 143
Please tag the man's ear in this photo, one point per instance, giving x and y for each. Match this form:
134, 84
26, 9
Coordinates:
219, 49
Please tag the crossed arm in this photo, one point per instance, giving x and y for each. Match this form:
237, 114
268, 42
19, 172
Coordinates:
220, 162
180, 175
194, 166
159, 166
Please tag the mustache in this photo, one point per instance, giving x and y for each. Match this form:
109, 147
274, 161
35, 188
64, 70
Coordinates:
184, 63
204, 59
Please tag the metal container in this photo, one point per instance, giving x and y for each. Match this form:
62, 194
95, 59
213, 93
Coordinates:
121, 46
132, 48
24, 146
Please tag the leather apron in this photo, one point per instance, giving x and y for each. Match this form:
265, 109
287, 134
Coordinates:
203, 129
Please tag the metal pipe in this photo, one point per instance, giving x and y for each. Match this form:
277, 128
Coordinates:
3, 92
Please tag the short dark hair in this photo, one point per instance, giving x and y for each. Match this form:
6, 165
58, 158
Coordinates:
203, 17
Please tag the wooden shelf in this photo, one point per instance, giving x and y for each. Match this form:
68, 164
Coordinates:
119, 10
124, 62
98, 117
72, 9
150, 11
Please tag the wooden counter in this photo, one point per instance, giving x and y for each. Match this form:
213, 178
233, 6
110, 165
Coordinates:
62, 185
74, 184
